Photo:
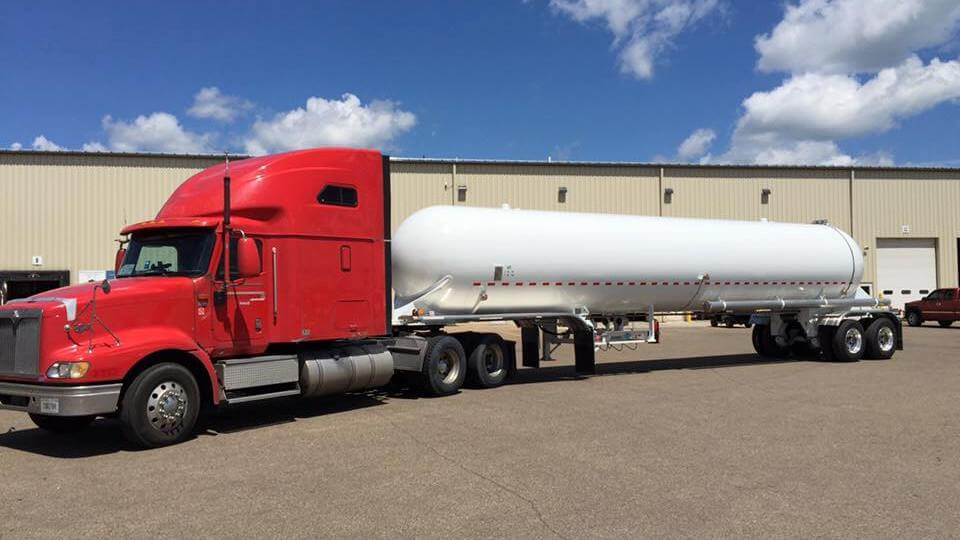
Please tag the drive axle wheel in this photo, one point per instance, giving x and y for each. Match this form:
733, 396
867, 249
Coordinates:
488, 362
160, 407
444, 368
61, 424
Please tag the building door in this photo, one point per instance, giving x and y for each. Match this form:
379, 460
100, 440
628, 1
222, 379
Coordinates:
22, 284
906, 269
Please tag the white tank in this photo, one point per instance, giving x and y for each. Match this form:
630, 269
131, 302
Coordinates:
452, 260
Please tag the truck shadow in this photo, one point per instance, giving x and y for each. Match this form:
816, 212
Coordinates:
104, 436
567, 372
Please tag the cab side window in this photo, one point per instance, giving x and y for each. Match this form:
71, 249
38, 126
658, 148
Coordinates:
338, 196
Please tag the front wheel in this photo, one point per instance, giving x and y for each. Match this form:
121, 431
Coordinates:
914, 318
61, 424
160, 407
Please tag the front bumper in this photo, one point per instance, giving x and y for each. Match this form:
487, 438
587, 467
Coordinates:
60, 400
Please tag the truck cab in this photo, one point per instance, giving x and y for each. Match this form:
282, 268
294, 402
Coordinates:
254, 259
941, 305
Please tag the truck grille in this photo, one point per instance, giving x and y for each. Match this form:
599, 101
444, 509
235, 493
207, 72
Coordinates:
20, 342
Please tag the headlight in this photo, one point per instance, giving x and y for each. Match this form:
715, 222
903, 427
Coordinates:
68, 370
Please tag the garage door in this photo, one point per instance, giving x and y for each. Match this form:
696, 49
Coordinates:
906, 268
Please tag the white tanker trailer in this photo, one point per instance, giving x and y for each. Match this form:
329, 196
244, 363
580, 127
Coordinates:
592, 274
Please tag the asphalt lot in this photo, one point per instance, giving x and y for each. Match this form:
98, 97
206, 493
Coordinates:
692, 437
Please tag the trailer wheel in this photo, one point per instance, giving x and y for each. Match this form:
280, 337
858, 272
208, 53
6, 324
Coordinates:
161, 406
444, 368
765, 344
488, 362
714, 323
944, 324
729, 322
61, 424
881, 338
914, 318
847, 343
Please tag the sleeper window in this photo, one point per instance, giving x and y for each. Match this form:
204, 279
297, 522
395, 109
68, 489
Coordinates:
338, 196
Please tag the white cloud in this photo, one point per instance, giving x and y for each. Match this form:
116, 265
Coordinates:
45, 144
853, 71
818, 106
855, 36
158, 132
16, 146
343, 122
210, 103
696, 145
642, 29
95, 147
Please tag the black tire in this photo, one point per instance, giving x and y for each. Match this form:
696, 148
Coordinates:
881, 338
61, 424
488, 364
160, 407
765, 345
729, 323
747, 324
848, 342
914, 318
444, 366
714, 323
944, 324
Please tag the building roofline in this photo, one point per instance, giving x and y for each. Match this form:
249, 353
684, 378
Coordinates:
672, 165
81, 153
476, 161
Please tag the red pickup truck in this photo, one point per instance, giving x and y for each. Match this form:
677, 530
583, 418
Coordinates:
942, 305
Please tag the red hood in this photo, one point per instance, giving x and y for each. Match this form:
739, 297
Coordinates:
126, 291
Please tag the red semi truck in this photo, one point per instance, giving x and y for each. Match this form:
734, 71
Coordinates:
271, 277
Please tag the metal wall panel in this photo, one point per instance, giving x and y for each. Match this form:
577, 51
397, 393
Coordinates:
418, 185
616, 190
909, 204
68, 209
796, 196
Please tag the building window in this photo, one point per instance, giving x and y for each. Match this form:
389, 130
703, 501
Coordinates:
562, 195
338, 196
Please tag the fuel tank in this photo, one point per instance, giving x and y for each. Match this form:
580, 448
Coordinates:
452, 260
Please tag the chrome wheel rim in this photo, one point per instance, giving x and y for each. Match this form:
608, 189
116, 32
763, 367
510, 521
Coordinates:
167, 406
449, 367
493, 361
885, 339
853, 340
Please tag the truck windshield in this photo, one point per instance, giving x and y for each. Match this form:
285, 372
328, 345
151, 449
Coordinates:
168, 253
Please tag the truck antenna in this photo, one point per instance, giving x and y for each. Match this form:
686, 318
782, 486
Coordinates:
226, 222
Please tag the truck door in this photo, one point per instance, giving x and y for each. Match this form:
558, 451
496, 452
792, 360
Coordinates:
240, 320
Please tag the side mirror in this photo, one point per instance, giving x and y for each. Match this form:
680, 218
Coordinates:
118, 260
248, 258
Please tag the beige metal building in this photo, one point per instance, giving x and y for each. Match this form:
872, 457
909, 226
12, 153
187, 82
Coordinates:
61, 211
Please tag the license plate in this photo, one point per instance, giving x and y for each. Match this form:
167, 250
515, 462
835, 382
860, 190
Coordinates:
49, 405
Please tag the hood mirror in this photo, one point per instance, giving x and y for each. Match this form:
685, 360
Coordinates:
105, 286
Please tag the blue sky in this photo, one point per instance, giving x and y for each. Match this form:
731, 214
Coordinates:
493, 79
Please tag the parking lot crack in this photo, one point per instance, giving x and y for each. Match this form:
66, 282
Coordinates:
528, 501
